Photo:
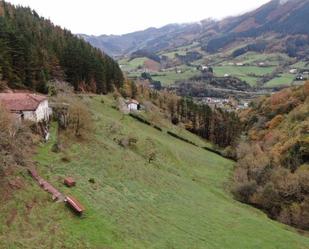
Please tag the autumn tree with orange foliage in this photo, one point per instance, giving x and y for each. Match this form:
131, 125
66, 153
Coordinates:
272, 171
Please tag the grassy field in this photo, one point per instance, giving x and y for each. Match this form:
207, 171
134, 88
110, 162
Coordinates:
181, 200
221, 62
132, 64
271, 59
182, 50
243, 72
171, 55
301, 65
252, 81
170, 77
283, 80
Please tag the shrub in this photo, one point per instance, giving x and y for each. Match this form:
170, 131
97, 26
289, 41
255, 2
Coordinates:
73, 115
151, 152
56, 148
306, 88
229, 152
15, 141
175, 121
180, 138
272, 168
114, 128
66, 159
244, 191
275, 121
92, 180
157, 128
57, 88
140, 119
128, 142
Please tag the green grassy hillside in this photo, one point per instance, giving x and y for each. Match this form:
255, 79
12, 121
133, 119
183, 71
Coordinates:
275, 72
180, 200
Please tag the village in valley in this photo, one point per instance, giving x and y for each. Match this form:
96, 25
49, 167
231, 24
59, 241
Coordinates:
215, 77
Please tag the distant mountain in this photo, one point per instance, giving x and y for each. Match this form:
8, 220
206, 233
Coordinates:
151, 38
280, 17
286, 18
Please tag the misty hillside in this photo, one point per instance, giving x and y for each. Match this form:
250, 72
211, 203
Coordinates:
288, 19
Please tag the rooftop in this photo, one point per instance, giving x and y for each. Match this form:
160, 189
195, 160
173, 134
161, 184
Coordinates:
133, 101
21, 101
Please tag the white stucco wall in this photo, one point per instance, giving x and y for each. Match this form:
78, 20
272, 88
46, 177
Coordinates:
29, 115
41, 113
132, 107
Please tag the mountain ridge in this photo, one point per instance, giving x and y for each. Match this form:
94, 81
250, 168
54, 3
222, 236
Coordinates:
284, 18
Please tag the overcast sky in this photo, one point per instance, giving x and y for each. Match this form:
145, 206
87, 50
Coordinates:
123, 16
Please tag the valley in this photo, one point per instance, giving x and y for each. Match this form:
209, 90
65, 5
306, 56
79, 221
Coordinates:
260, 71
187, 136
259, 49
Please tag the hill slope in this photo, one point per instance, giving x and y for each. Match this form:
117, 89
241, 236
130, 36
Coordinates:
275, 159
180, 200
150, 39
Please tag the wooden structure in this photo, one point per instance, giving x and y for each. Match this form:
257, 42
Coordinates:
69, 182
74, 205
56, 195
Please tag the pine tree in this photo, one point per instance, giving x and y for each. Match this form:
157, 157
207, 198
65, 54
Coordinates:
34, 51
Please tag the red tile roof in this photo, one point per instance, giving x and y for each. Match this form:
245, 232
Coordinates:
133, 101
21, 101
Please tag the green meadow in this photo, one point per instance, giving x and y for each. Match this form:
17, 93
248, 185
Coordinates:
179, 200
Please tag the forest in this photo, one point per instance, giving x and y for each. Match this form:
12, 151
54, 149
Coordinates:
272, 169
34, 51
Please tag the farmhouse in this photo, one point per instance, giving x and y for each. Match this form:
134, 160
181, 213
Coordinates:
27, 106
133, 105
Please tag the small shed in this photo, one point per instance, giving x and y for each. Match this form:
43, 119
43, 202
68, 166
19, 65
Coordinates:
69, 182
133, 105
74, 205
